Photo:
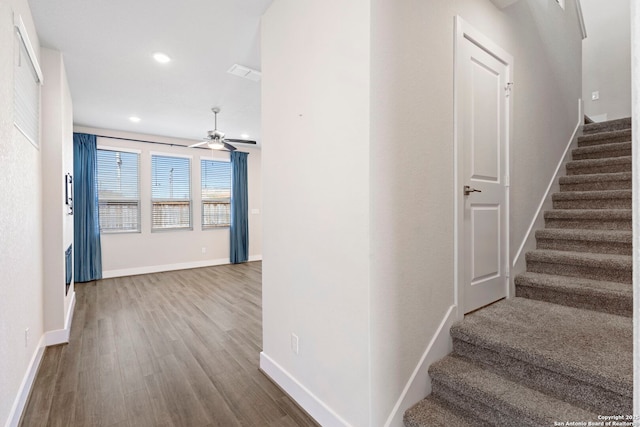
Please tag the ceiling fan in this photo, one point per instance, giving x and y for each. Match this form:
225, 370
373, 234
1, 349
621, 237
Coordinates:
216, 140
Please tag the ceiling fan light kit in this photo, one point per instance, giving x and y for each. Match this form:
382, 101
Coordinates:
215, 145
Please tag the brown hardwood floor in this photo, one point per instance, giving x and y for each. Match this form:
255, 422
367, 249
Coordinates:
168, 349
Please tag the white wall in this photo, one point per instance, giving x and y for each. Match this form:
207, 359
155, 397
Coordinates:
136, 253
412, 252
67, 167
606, 58
315, 128
57, 150
21, 296
411, 197
317, 121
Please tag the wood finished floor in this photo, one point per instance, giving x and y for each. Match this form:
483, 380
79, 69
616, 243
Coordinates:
167, 349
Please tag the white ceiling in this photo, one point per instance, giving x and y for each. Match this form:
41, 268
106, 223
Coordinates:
108, 46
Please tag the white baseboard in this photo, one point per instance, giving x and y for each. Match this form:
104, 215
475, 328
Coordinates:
419, 385
417, 388
537, 221
316, 408
160, 268
25, 387
61, 336
108, 274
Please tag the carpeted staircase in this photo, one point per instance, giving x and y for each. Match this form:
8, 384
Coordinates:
561, 351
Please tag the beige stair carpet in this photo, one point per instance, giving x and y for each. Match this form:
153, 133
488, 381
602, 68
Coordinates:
561, 351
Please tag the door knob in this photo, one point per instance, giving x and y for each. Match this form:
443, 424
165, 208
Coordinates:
468, 190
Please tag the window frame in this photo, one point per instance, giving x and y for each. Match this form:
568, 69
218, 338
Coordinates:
138, 200
204, 201
23, 40
160, 200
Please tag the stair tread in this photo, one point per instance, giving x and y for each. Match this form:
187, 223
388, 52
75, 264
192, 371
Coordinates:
431, 412
589, 346
575, 284
503, 394
606, 126
594, 177
599, 136
598, 162
597, 295
618, 236
589, 213
580, 258
596, 194
614, 146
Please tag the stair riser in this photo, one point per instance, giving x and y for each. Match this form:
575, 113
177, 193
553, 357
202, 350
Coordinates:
559, 385
432, 411
593, 204
617, 248
602, 154
483, 407
609, 140
612, 304
587, 170
597, 186
588, 224
586, 272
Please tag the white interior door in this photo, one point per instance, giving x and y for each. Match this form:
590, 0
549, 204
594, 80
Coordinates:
482, 114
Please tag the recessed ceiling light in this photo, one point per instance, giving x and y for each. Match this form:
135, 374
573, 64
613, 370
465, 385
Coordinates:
161, 57
244, 136
134, 119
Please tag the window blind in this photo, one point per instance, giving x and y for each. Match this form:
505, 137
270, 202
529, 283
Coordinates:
26, 99
170, 192
118, 191
216, 193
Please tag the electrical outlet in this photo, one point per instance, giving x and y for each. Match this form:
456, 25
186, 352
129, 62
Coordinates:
204, 250
26, 337
294, 343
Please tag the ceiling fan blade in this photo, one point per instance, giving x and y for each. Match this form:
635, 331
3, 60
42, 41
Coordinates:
241, 141
198, 144
229, 146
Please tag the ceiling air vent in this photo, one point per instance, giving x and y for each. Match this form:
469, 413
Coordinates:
247, 73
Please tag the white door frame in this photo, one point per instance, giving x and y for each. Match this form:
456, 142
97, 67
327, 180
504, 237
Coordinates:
465, 31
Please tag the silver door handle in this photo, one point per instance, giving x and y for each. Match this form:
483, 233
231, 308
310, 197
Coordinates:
468, 190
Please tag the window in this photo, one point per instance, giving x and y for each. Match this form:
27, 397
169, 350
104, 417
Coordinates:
27, 80
170, 193
118, 191
216, 193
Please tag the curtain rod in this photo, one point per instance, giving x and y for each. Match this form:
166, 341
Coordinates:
154, 142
